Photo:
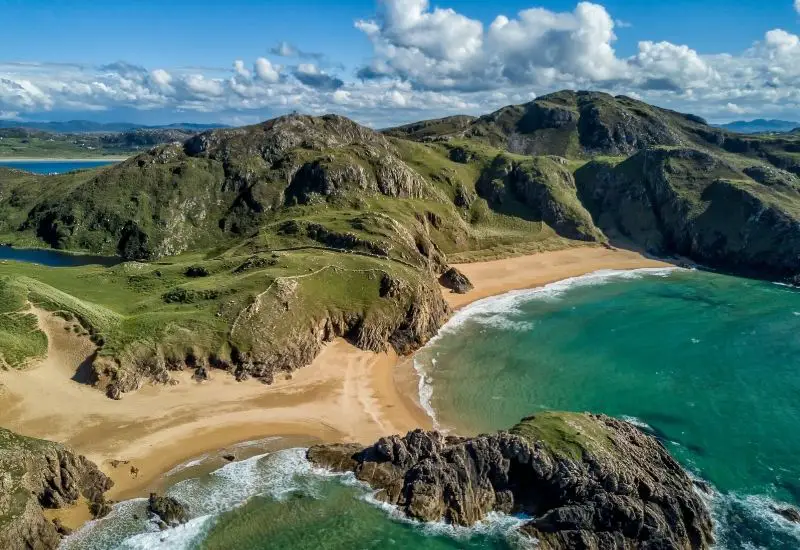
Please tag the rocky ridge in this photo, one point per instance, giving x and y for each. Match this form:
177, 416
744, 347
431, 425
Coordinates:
587, 481
37, 475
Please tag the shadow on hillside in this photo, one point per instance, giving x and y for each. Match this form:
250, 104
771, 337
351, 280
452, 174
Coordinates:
84, 373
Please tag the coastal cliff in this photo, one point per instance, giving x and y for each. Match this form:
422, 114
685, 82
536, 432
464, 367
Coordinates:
587, 481
37, 475
250, 247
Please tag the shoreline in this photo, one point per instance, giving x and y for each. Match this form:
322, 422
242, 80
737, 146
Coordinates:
345, 395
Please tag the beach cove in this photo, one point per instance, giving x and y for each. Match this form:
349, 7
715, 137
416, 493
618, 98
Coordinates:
178, 437
346, 394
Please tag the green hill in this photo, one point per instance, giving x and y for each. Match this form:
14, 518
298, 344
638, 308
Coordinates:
263, 242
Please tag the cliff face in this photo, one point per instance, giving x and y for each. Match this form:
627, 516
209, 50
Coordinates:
547, 190
695, 204
37, 474
588, 481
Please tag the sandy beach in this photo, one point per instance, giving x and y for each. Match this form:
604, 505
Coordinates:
346, 394
499, 276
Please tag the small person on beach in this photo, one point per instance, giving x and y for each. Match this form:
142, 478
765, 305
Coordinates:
134, 472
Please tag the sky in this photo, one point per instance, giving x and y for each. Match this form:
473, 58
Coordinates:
387, 62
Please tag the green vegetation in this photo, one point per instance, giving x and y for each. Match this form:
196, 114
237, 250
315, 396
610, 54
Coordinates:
28, 143
265, 241
566, 434
20, 337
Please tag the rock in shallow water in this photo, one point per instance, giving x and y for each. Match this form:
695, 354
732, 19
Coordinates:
455, 281
167, 509
589, 481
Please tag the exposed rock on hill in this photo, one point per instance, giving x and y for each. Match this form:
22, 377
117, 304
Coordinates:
692, 203
37, 474
588, 481
546, 187
570, 123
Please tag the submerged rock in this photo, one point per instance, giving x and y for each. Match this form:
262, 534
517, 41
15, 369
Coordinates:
455, 281
788, 513
589, 481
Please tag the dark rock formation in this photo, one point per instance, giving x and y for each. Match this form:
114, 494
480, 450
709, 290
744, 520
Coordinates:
197, 271
694, 204
167, 509
788, 513
588, 481
37, 474
455, 281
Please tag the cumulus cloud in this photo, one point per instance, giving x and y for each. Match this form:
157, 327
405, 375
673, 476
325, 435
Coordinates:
427, 61
266, 71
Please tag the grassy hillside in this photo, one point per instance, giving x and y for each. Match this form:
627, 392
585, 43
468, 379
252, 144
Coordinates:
265, 241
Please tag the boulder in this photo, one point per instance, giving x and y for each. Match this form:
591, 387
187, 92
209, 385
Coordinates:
455, 281
167, 509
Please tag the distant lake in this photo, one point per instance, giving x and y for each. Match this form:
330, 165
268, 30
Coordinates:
54, 166
53, 258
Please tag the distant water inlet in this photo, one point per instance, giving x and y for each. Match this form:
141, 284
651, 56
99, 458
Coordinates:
54, 258
54, 166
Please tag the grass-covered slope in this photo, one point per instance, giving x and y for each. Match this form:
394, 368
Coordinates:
250, 311
268, 240
226, 185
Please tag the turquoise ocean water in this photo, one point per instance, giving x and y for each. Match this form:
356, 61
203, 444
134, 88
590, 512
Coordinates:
708, 363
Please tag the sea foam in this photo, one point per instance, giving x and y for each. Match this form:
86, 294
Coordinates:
498, 311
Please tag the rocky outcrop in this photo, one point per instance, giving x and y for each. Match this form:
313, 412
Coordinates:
692, 203
788, 513
455, 281
167, 511
410, 314
547, 190
587, 481
37, 474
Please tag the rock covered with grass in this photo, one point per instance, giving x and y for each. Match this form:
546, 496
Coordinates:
588, 481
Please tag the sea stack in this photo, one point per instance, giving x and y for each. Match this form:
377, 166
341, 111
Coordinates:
586, 481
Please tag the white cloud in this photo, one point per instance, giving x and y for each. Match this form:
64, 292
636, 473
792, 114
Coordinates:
266, 71
734, 108
797, 6
240, 69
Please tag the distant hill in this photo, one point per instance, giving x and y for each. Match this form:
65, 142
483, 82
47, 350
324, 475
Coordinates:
35, 143
86, 126
760, 125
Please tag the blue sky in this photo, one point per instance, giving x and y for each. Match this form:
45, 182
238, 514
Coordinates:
149, 61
